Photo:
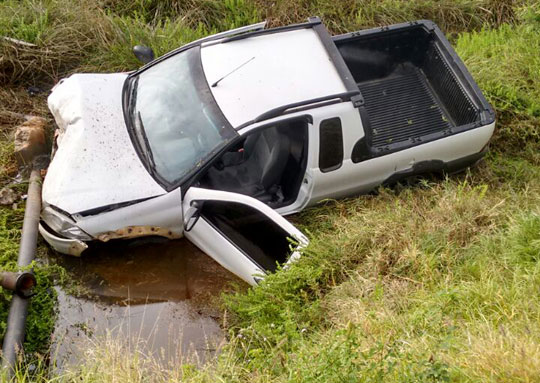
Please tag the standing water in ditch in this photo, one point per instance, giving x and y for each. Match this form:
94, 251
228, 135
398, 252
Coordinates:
154, 298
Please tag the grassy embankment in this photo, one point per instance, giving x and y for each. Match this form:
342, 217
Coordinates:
432, 282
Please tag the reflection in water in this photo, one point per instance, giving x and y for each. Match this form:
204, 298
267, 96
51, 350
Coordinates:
156, 294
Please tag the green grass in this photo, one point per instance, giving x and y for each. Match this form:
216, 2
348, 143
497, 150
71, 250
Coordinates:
506, 64
41, 316
407, 279
433, 282
98, 36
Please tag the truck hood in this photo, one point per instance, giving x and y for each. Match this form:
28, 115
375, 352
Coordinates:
95, 164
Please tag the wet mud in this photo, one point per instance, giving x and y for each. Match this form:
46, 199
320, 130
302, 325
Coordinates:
158, 298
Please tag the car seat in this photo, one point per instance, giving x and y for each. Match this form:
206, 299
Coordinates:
257, 170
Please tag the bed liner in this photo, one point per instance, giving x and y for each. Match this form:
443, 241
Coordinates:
414, 88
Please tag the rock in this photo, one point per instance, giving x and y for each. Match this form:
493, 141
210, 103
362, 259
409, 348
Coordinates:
7, 196
34, 90
30, 140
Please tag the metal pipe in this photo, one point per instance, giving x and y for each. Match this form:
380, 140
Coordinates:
13, 339
21, 283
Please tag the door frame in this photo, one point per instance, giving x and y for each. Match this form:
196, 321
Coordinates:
242, 134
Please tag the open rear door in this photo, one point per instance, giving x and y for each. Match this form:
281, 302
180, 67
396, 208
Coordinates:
241, 233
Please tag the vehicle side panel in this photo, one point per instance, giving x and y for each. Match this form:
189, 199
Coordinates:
160, 216
314, 179
362, 177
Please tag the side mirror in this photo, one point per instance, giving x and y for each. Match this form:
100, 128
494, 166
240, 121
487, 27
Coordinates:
143, 53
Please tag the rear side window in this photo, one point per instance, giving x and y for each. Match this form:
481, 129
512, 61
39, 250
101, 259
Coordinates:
330, 145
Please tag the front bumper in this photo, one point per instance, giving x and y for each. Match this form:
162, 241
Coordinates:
63, 245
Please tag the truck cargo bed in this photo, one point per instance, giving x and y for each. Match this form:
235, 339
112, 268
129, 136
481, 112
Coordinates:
401, 107
414, 87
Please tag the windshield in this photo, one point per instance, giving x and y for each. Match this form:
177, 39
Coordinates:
176, 122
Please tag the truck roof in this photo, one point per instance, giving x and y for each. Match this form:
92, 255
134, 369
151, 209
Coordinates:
280, 68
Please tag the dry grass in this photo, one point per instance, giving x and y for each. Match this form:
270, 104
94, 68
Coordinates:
16, 103
451, 269
501, 355
345, 16
60, 37
85, 35
110, 360
62, 33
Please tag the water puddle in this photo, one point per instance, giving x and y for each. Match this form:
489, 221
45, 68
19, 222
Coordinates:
157, 298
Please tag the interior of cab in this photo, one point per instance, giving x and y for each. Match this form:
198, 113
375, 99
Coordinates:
268, 164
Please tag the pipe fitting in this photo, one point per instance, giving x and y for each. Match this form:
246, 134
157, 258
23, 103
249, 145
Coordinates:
21, 283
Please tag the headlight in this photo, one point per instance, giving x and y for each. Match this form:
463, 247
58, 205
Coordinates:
63, 225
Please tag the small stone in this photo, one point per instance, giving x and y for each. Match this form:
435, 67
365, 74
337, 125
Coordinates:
30, 140
7, 196
33, 90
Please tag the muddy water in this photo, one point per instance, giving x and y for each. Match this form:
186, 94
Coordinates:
158, 298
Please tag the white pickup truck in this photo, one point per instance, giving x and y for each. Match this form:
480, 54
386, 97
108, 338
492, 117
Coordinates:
216, 140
